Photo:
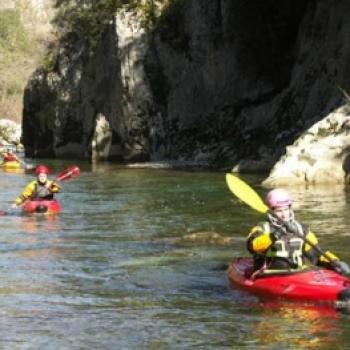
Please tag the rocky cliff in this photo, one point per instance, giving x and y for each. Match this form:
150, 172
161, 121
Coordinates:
228, 83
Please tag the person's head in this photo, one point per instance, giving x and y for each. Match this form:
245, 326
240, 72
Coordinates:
280, 204
41, 172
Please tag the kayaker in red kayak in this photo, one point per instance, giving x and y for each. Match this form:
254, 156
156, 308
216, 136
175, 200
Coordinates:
9, 156
40, 189
279, 243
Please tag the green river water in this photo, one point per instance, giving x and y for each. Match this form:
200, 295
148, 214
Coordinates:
137, 260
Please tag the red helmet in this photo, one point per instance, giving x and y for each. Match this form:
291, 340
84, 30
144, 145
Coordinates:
42, 169
278, 198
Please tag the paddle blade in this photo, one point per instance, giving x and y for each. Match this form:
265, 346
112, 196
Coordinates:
245, 193
69, 173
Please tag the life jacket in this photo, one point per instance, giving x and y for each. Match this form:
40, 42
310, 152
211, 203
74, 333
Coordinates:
41, 192
288, 250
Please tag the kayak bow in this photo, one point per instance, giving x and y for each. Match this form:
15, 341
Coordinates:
11, 165
41, 206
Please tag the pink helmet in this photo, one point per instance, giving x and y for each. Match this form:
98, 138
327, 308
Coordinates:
278, 198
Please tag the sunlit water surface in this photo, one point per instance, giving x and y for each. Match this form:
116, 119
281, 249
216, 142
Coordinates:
137, 259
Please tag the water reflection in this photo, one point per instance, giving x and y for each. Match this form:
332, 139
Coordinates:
297, 326
136, 259
38, 223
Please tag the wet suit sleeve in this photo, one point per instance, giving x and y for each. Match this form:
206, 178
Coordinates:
27, 192
258, 241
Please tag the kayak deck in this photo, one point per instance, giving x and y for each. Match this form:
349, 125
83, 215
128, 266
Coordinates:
11, 165
41, 206
312, 284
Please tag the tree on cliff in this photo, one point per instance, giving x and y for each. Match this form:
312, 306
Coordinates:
18, 57
89, 18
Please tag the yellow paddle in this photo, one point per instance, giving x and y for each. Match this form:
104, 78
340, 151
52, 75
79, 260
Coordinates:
247, 195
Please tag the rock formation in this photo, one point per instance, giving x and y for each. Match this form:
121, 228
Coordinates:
232, 84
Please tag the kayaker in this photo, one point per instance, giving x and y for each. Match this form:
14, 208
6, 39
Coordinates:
9, 156
40, 189
279, 243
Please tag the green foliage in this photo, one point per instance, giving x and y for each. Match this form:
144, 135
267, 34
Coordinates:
12, 34
90, 18
87, 18
151, 11
13, 88
18, 52
49, 61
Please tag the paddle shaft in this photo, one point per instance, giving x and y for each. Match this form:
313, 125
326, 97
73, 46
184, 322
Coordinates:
63, 177
290, 228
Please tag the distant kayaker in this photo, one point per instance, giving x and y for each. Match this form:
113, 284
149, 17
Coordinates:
279, 243
40, 189
9, 156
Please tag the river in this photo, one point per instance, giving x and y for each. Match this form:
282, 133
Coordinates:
137, 260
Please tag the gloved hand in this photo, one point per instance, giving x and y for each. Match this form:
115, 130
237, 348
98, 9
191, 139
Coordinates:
53, 187
341, 267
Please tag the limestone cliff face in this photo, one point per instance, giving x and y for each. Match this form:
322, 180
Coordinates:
62, 106
317, 101
230, 83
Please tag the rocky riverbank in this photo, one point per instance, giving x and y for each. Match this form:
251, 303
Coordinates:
10, 134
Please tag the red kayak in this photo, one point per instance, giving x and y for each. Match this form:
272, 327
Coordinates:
311, 284
44, 206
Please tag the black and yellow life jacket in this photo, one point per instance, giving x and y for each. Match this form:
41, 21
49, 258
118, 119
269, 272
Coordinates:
289, 247
41, 192
284, 253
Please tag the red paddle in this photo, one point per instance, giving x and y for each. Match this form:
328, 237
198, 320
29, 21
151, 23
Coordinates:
69, 173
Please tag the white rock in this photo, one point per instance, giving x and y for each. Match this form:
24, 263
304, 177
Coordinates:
318, 156
10, 132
